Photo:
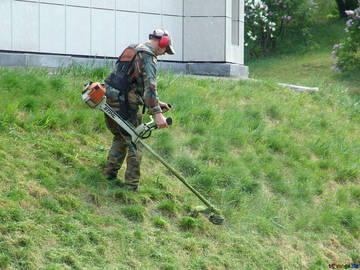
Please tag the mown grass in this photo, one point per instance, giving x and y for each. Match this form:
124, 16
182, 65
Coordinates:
283, 166
309, 65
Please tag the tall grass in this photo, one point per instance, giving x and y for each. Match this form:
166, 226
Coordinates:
283, 166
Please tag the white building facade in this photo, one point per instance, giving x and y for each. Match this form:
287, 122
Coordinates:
207, 34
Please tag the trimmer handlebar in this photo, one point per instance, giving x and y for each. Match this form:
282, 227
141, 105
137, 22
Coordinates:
163, 107
168, 121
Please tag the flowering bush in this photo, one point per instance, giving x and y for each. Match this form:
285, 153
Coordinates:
347, 53
344, 5
267, 21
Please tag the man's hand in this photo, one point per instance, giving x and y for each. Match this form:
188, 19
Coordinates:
160, 121
164, 106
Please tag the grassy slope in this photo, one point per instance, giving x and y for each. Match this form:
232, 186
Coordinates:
283, 166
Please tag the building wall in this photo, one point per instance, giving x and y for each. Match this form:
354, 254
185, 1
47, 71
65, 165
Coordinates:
201, 29
209, 30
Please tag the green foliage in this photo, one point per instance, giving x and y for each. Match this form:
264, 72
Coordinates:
169, 207
278, 183
57, 83
195, 142
346, 5
355, 192
271, 22
326, 11
351, 219
348, 51
205, 181
159, 222
164, 144
187, 166
4, 261
187, 223
134, 212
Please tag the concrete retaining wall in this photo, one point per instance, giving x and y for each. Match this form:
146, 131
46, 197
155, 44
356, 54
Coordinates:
58, 61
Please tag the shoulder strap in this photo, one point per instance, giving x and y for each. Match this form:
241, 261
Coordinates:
145, 49
128, 54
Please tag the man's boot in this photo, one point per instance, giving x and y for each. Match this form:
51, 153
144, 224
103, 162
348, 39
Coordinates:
109, 173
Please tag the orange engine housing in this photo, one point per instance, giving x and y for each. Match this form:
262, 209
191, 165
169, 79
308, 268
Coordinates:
97, 91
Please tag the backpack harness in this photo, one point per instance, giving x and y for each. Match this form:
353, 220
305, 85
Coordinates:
120, 77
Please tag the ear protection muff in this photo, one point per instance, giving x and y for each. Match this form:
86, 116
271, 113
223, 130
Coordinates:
164, 41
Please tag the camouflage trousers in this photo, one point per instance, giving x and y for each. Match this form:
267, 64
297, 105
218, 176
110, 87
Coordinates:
122, 146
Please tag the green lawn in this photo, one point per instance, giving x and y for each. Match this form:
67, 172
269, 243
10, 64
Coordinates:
309, 65
312, 69
283, 166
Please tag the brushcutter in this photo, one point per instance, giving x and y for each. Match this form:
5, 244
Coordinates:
93, 95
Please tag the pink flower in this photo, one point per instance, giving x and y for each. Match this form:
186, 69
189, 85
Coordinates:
349, 12
289, 18
349, 22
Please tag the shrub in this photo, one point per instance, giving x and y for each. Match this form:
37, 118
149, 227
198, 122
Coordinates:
347, 53
344, 5
267, 21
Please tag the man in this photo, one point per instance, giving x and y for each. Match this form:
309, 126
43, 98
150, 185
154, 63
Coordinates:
131, 85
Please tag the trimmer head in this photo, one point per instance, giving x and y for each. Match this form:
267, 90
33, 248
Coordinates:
215, 217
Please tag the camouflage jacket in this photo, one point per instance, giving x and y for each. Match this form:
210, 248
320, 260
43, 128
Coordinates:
143, 89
